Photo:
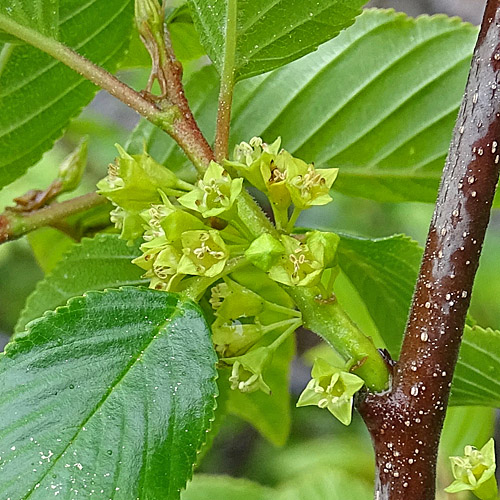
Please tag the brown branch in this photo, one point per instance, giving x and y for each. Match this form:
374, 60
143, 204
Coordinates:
168, 71
405, 424
14, 224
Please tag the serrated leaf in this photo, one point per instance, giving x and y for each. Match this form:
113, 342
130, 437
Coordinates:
94, 264
269, 414
264, 35
112, 393
205, 487
384, 272
38, 95
379, 102
41, 15
476, 380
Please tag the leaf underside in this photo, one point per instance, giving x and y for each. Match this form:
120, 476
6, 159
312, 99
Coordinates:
38, 95
110, 395
41, 15
379, 101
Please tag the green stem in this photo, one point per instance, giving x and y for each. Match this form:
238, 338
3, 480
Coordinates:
294, 324
226, 85
328, 319
13, 224
286, 322
293, 219
197, 287
170, 119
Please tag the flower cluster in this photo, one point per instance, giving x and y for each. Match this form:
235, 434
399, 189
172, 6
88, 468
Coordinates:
333, 388
475, 472
133, 184
285, 180
197, 242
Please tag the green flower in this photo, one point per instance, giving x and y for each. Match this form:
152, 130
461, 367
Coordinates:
237, 326
332, 388
214, 194
303, 262
264, 251
275, 175
134, 183
475, 471
162, 249
309, 186
246, 375
250, 159
204, 253
160, 260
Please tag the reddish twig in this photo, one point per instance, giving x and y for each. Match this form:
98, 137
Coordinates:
14, 224
405, 424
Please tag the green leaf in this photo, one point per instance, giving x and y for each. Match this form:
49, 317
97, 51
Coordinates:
264, 35
205, 487
384, 272
41, 15
38, 95
94, 264
112, 393
324, 483
379, 102
350, 453
476, 380
49, 246
460, 429
269, 414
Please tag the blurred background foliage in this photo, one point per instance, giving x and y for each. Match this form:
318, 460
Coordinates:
318, 444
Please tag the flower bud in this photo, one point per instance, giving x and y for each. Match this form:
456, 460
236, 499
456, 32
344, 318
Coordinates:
149, 15
72, 168
264, 251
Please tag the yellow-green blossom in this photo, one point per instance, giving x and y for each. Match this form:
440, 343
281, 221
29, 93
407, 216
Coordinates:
250, 159
133, 184
303, 262
204, 253
214, 194
475, 471
309, 186
247, 371
237, 325
333, 388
